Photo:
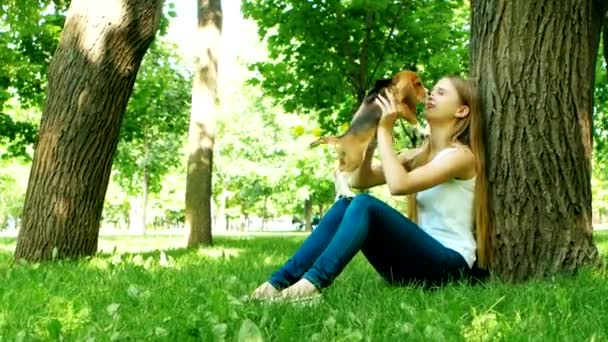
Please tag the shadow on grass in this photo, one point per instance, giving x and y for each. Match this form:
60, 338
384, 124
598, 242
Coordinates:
244, 250
175, 245
166, 252
234, 246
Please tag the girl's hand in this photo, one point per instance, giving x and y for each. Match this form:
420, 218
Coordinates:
388, 105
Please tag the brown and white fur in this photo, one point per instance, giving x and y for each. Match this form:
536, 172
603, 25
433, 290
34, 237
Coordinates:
407, 90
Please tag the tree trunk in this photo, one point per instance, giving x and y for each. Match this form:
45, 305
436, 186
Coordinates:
534, 67
202, 124
136, 217
221, 219
244, 226
145, 188
90, 80
308, 214
144, 200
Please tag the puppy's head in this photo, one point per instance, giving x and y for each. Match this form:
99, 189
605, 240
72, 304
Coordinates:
379, 86
408, 90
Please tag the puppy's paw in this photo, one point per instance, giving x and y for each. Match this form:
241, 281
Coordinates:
341, 185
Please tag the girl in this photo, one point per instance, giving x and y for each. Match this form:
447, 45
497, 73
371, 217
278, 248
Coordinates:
448, 227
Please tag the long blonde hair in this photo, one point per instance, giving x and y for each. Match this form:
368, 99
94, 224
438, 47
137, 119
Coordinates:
469, 132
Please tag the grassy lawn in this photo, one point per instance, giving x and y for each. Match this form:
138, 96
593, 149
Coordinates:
193, 295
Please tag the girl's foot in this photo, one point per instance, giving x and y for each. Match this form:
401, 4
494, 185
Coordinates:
302, 290
264, 291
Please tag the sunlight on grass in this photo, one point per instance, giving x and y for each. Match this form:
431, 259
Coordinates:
601, 240
136, 244
7, 248
484, 327
225, 253
63, 316
130, 260
273, 260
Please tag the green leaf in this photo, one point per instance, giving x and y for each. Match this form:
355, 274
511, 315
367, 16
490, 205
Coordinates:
249, 332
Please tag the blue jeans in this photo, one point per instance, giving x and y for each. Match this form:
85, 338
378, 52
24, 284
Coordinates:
399, 250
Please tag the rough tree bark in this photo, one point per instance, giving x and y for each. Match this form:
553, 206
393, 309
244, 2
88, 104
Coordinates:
90, 80
202, 124
534, 63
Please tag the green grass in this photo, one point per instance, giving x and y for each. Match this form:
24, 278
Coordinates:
193, 295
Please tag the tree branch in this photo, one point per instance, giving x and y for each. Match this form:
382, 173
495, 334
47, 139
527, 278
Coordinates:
348, 51
386, 41
364, 57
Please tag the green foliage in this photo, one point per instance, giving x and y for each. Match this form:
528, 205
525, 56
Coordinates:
325, 55
601, 109
29, 34
152, 132
600, 137
13, 183
15, 137
263, 162
193, 295
155, 122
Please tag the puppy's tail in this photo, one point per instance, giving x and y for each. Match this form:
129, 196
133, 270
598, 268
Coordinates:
324, 140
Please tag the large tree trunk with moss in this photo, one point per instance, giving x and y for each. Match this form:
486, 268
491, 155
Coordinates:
534, 64
202, 124
90, 80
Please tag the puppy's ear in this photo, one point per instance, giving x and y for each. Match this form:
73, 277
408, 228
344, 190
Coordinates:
378, 86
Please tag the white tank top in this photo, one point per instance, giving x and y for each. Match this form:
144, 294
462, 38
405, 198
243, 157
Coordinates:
445, 212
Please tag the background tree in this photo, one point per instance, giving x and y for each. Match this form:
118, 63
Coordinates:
602, 7
326, 68
153, 129
91, 78
535, 68
264, 166
202, 123
29, 33
600, 139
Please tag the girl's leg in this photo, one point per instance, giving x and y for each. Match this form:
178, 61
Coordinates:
394, 245
347, 241
403, 253
312, 247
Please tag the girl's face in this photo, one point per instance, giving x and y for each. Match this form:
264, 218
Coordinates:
444, 104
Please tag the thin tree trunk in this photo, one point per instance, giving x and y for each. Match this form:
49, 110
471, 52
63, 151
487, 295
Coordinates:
136, 223
90, 80
534, 63
144, 200
308, 214
221, 220
265, 213
244, 226
145, 185
202, 124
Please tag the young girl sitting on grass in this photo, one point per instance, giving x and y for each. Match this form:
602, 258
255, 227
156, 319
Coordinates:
448, 228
